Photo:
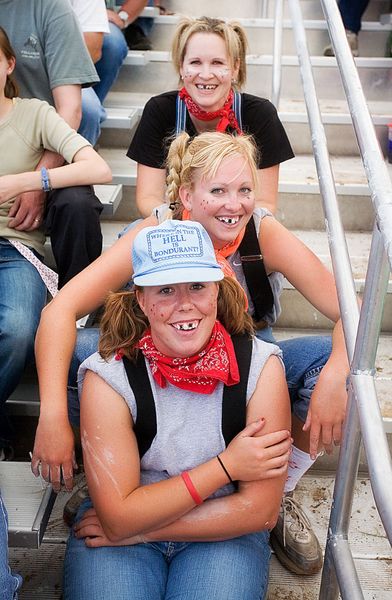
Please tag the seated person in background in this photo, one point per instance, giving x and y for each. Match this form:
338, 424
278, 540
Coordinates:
172, 488
9, 582
213, 179
52, 65
125, 16
209, 56
351, 12
28, 128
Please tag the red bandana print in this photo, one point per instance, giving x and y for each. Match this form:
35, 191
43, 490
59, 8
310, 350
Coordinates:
199, 373
226, 113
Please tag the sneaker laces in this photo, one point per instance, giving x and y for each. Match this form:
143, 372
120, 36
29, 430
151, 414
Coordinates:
293, 511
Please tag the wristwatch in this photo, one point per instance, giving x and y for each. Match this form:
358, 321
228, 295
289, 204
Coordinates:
124, 16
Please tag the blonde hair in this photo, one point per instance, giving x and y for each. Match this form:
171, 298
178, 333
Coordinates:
231, 32
205, 152
10, 89
123, 322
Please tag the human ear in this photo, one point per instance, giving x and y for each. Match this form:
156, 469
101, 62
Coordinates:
236, 70
11, 65
185, 195
140, 299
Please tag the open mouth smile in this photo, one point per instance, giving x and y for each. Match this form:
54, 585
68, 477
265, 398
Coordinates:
228, 220
209, 87
186, 325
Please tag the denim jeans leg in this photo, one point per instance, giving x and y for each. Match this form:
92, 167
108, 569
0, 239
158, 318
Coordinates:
351, 12
9, 582
303, 359
86, 345
93, 113
114, 51
22, 297
227, 570
136, 572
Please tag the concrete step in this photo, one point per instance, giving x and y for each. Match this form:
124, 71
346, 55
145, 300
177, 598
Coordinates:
160, 76
260, 34
123, 110
28, 501
110, 196
42, 569
253, 9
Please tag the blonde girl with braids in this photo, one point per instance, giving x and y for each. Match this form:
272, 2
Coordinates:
165, 519
212, 179
209, 57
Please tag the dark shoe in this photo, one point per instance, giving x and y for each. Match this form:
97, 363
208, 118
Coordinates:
72, 505
294, 541
136, 39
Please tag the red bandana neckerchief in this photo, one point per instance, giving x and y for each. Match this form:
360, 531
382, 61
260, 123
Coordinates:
199, 373
226, 114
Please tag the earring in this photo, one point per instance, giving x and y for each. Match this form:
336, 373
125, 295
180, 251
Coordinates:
234, 81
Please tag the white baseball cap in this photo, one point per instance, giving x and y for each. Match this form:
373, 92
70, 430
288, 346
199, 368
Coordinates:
174, 252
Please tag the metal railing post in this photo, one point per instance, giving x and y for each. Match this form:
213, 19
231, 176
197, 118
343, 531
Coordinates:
277, 54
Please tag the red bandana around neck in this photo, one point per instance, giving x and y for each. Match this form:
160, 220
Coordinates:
199, 373
226, 114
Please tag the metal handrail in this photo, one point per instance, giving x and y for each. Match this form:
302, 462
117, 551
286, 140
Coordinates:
363, 415
277, 54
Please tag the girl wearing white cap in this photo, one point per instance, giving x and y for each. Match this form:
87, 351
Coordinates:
167, 519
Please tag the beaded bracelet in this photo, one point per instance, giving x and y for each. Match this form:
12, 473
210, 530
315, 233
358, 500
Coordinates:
191, 488
45, 181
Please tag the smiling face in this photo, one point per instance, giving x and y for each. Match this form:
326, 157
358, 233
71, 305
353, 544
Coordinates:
181, 316
207, 71
224, 203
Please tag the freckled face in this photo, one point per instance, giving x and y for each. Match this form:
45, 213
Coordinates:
181, 316
224, 203
207, 71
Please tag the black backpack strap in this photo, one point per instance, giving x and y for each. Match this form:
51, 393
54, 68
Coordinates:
145, 427
234, 396
255, 273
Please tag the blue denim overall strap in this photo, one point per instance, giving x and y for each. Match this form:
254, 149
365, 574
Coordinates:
181, 112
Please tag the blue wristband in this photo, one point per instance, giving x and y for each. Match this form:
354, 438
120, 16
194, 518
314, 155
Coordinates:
45, 181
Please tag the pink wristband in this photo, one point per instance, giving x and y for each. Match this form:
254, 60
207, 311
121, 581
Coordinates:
191, 488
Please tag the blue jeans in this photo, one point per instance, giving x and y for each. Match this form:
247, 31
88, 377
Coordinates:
9, 582
114, 50
146, 23
351, 12
22, 297
235, 569
86, 345
303, 359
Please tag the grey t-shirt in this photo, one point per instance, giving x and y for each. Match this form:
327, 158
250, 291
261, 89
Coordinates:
48, 44
188, 424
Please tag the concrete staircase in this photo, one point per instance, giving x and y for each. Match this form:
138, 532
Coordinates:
146, 73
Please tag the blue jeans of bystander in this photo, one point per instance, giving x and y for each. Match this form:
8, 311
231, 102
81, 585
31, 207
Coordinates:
114, 50
229, 570
351, 12
22, 297
303, 360
9, 582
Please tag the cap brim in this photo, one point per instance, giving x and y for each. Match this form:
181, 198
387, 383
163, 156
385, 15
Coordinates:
181, 275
